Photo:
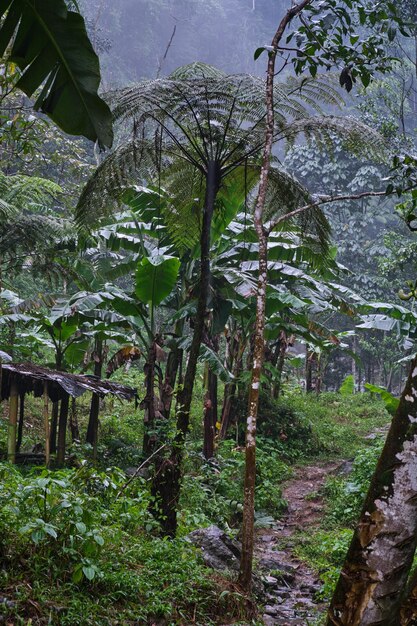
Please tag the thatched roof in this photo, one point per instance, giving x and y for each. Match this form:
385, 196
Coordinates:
30, 378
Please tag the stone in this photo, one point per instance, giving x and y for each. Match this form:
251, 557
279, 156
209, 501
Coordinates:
271, 610
270, 581
345, 468
218, 550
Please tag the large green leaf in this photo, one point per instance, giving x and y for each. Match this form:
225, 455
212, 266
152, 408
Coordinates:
390, 401
156, 277
51, 47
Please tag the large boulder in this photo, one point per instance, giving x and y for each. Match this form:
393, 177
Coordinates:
219, 551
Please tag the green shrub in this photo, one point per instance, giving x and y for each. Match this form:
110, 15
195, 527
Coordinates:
345, 496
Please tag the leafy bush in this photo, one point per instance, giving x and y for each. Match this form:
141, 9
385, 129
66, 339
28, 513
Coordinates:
213, 491
79, 529
325, 552
345, 496
282, 423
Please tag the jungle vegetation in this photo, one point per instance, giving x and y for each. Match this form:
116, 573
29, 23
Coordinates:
208, 207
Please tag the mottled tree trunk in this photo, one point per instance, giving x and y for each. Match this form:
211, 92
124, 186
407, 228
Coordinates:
167, 480
373, 578
245, 571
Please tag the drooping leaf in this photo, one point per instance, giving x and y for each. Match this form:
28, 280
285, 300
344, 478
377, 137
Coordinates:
390, 401
51, 47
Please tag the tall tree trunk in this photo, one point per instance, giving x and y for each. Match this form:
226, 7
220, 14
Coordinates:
283, 346
309, 369
230, 388
171, 372
379, 559
167, 479
148, 404
245, 572
210, 414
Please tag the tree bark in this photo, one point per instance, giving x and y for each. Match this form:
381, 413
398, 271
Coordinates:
245, 572
167, 479
236, 350
373, 578
149, 402
210, 415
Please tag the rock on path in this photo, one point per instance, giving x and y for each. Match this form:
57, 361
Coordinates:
291, 585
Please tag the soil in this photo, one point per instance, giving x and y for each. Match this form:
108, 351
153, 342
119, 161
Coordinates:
291, 585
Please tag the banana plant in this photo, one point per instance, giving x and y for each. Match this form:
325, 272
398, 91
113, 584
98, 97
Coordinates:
50, 45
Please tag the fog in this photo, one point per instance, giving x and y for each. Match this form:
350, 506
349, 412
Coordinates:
132, 36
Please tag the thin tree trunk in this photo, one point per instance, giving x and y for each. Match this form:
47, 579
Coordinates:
230, 388
13, 408
62, 430
245, 572
46, 422
171, 372
21, 421
167, 479
210, 415
309, 370
379, 559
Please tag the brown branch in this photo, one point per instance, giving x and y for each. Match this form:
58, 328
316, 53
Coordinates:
136, 472
327, 200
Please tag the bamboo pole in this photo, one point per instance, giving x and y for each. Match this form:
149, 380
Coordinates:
13, 406
46, 422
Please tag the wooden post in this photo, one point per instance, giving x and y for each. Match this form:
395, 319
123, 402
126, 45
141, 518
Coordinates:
46, 422
62, 430
13, 406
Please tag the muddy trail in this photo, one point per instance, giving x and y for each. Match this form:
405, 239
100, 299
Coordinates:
291, 586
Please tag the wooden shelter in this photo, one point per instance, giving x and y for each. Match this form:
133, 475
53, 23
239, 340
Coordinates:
16, 380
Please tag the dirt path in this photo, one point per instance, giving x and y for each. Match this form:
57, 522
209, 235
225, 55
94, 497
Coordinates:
291, 584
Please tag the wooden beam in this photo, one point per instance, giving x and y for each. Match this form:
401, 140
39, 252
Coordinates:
13, 406
46, 422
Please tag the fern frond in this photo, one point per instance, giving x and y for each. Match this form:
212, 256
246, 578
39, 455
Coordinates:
357, 137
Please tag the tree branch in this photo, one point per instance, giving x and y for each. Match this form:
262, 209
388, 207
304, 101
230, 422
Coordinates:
327, 200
